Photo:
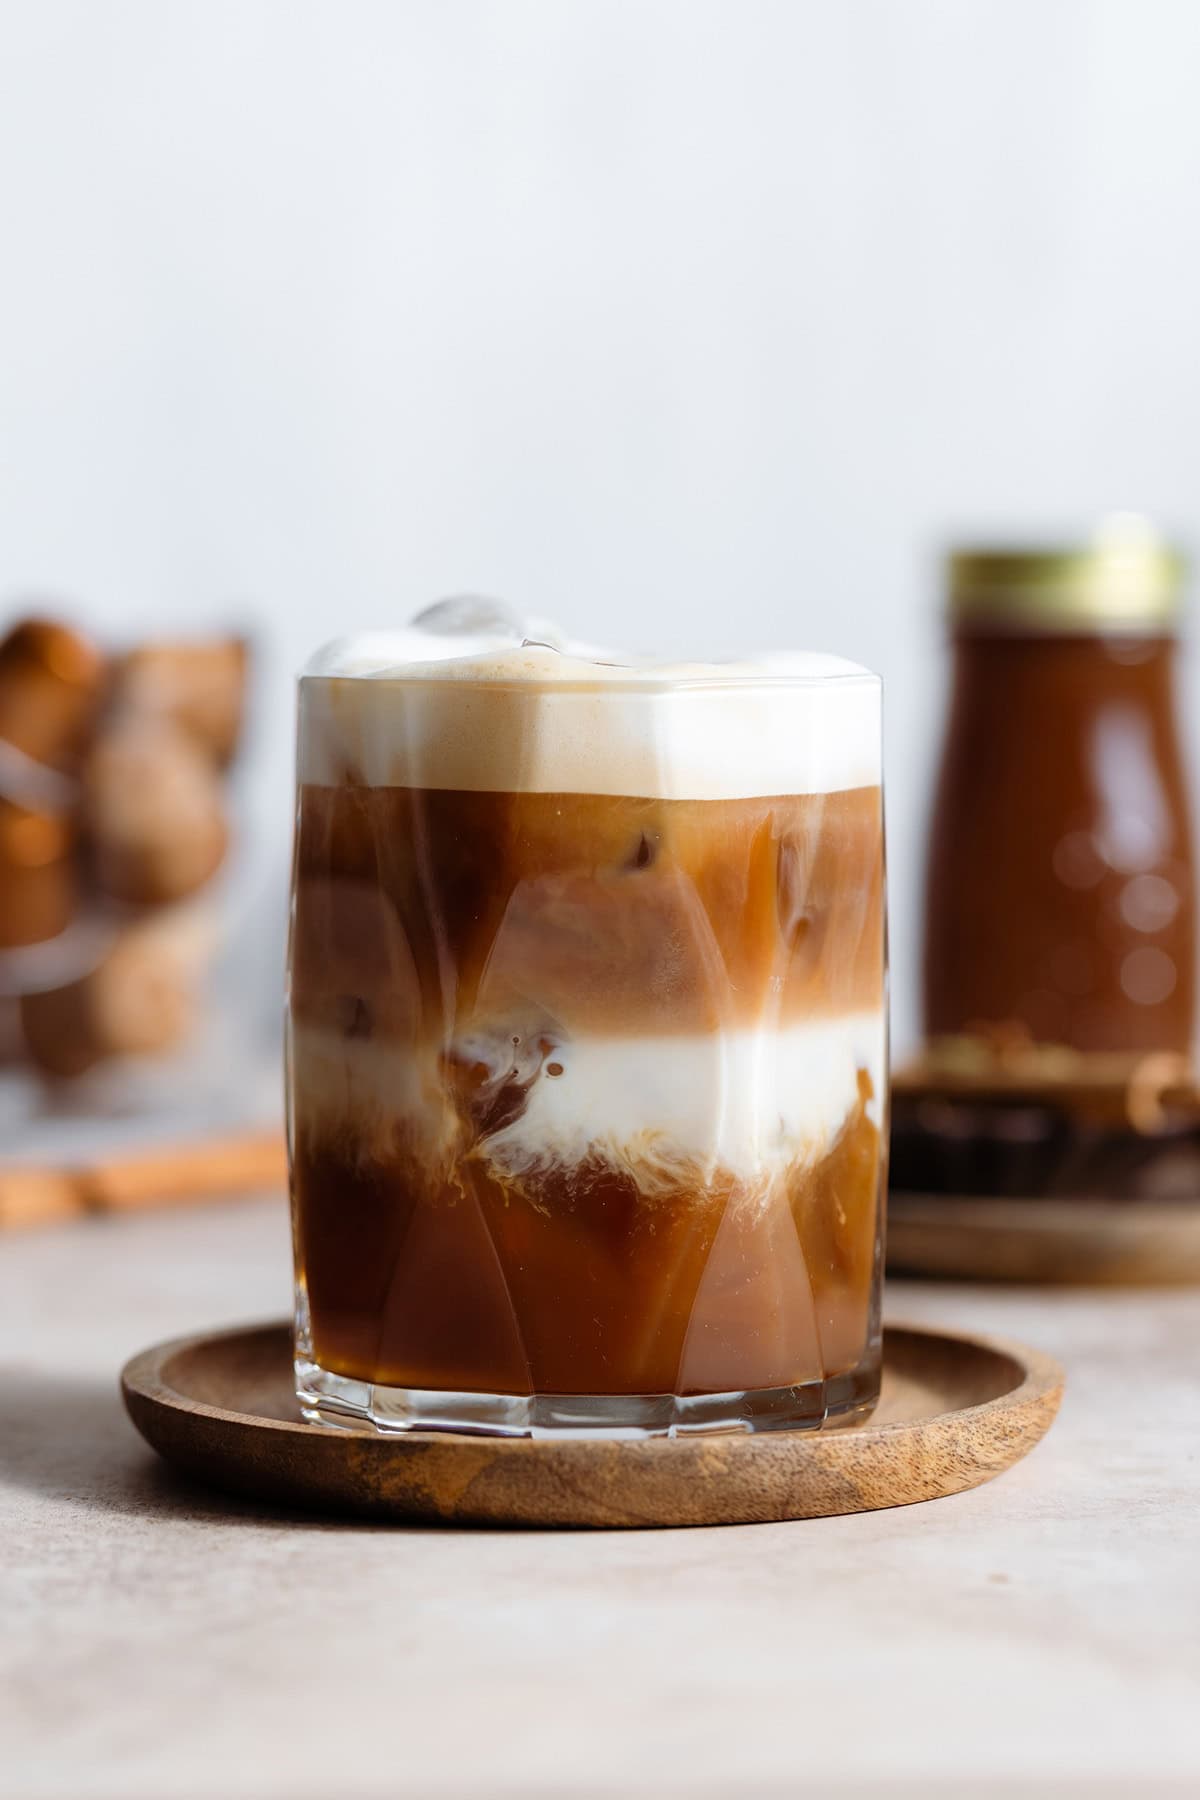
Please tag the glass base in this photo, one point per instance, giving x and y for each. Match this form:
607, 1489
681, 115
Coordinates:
329, 1399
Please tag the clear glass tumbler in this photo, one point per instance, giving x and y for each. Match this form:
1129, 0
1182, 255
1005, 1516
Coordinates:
587, 1039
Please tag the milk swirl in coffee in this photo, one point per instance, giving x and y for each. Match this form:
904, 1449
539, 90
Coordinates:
587, 1035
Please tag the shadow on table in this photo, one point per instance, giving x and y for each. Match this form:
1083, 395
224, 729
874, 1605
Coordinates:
67, 1439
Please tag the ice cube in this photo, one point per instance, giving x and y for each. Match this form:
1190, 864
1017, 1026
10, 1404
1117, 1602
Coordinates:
477, 615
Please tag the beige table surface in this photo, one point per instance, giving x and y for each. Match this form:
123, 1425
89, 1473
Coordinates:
1040, 1635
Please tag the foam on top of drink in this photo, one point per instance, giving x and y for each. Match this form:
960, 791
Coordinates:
472, 696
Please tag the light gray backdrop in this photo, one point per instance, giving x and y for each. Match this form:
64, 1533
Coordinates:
691, 323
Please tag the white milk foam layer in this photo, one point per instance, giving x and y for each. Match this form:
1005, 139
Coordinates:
747, 1104
471, 697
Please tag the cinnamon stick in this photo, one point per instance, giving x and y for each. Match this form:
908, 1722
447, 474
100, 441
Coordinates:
171, 1176
194, 1172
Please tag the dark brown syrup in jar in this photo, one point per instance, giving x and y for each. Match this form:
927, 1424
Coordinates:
1059, 933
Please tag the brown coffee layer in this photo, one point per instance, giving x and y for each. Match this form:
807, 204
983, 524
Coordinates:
572, 1282
418, 910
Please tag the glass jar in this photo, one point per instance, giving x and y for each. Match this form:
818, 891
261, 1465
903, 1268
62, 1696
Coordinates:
1060, 891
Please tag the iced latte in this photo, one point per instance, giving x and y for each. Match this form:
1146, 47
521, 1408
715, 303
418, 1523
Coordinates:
587, 1038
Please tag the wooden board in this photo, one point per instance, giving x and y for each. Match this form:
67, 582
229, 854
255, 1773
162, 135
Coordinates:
1076, 1242
955, 1411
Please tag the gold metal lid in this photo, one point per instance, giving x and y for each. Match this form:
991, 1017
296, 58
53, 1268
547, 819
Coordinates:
1126, 579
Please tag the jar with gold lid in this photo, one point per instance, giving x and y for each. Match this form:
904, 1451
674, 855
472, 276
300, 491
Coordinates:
1059, 924
1059, 905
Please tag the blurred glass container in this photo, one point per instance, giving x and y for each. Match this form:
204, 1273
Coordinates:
137, 914
1060, 885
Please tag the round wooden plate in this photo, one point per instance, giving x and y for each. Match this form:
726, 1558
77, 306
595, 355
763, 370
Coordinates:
955, 1410
1146, 1242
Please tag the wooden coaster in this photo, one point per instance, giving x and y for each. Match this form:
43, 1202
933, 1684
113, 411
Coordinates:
955, 1411
1078, 1242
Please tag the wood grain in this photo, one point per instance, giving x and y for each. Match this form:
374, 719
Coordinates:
1067, 1242
955, 1411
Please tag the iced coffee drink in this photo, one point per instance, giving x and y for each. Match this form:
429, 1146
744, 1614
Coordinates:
587, 1041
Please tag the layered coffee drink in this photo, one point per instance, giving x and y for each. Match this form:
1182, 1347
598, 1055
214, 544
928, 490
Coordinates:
587, 1040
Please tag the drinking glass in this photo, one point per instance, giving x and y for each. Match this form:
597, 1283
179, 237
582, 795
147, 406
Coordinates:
586, 1039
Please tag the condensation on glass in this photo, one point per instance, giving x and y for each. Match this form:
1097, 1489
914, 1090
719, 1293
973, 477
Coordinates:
587, 1037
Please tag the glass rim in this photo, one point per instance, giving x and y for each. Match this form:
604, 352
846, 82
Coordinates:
649, 684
